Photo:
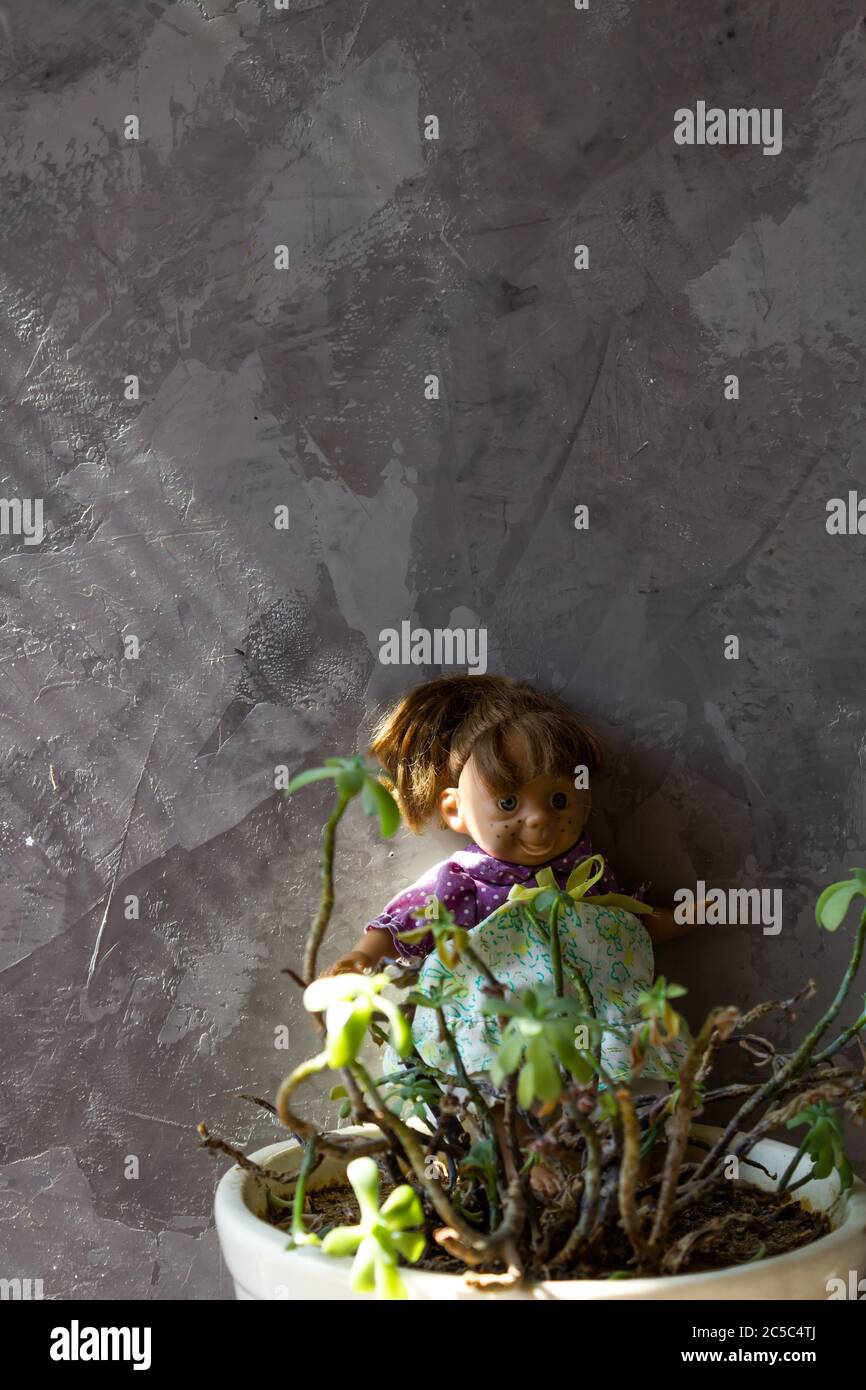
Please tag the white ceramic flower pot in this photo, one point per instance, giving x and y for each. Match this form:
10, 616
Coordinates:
262, 1268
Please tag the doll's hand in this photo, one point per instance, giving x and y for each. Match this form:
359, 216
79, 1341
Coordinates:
696, 912
355, 963
664, 923
364, 955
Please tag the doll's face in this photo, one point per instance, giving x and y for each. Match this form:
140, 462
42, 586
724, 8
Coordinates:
539, 821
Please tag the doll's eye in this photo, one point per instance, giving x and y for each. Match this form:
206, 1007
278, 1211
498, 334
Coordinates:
559, 801
508, 803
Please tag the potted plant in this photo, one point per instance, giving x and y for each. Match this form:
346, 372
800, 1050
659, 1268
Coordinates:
425, 1194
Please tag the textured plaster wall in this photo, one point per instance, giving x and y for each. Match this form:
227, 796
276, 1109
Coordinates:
304, 387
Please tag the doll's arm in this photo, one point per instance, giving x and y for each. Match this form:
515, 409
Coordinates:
448, 882
366, 953
379, 937
662, 925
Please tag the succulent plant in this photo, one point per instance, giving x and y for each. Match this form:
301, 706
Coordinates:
350, 1003
537, 1039
382, 1236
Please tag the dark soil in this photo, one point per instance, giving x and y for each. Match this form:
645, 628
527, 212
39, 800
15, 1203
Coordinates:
771, 1226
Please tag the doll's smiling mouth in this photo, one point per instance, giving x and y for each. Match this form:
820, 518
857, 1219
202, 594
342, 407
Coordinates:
536, 849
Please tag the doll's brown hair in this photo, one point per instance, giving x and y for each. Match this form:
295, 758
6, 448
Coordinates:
426, 739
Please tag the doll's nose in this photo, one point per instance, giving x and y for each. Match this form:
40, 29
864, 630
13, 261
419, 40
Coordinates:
536, 818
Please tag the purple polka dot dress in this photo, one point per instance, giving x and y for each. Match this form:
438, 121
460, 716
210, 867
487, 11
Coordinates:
472, 884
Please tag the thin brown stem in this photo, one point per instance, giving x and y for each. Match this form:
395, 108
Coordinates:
326, 901
482, 1109
304, 1130
283, 1187
628, 1173
678, 1138
480, 964
795, 1063
417, 1161
591, 1190
698, 1184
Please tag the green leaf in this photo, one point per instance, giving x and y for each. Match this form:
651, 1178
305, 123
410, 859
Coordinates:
279, 1203
321, 994
376, 799
510, 1051
526, 1086
832, 906
364, 1177
530, 1027
494, 1005
414, 934
548, 1085
303, 779
410, 1244
382, 1236
824, 1166
364, 1267
349, 783
402, 1208
480, 1157
343, 1240
389, 1284
401, 1033
563, 1045
347, 1023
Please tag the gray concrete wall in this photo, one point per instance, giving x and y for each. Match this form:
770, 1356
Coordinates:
305, 387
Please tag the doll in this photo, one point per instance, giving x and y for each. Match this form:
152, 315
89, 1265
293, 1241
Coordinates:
497, 760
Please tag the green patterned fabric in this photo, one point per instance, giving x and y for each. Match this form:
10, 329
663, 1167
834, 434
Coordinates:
608, 945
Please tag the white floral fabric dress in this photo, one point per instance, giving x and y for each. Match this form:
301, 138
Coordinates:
609, 946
